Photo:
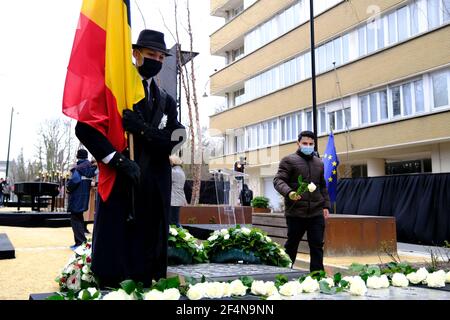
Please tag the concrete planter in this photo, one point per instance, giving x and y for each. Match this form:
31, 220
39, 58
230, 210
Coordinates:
209, 214
261, 210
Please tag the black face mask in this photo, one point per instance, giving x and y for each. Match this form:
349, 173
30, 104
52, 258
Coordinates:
150, 68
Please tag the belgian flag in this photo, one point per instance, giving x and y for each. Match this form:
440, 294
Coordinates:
101, 80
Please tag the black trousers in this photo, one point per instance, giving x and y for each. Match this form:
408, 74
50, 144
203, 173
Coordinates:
78, 227
174, 216
315, 228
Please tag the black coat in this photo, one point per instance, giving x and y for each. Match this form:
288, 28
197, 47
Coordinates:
135, 250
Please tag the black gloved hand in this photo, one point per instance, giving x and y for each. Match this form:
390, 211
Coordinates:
133, 122
126, 166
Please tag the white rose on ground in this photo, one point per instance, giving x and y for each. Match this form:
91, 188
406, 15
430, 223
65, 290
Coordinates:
436, 279
237, 288
310, 285
349, 279
374, 282
262, 288
154, 295
214, 290
173, 231
357, 287
291, 288
330, 281
224, 231
226, 237
91, 291
274, 297
118, 295
213, 237
414, 277
399, 280
171, 294
384, 281
245, 231
447, 277
195, 293
312, 187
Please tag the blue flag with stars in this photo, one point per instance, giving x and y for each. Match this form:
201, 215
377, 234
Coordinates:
331, 162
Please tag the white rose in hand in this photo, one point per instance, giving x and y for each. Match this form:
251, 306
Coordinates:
312, 187
399, 280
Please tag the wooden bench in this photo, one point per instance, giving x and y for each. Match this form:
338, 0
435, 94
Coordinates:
345, 235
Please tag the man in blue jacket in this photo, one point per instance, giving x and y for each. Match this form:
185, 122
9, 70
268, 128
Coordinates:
78, 187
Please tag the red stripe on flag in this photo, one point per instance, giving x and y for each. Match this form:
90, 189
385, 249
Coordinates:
87, 98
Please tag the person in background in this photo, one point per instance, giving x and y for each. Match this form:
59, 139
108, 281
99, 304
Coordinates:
306, 212
178, 198
78, 188
246, 196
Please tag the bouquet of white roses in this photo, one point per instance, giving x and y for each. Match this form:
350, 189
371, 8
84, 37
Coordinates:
252, 242
77, 274
183, 247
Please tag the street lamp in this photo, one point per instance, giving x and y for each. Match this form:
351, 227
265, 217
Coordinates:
9, 143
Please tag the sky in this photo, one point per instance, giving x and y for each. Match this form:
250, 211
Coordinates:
36, 40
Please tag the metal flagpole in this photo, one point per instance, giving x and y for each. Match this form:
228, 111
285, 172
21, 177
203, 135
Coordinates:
313, 72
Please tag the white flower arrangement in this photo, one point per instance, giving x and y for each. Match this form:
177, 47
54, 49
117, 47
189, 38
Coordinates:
77, 274
263, 288
249, 241
291, 288
181, 239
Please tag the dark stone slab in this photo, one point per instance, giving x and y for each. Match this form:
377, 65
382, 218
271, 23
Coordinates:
6, 248
35, 219
203, 231
228, 271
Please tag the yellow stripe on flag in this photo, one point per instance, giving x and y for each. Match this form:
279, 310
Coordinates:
96, 11
121, 77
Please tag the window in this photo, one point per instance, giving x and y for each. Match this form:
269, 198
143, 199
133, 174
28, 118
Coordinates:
322, 120
446, 9
440, 89
402, 23
363, 102
418, 94
383, 105
362, 40
407, 100
237, 54
309, 123
339, 119
345, 48
371, 34
239, 96
414, 18
396, 108
392, 24
433, 13
337, 51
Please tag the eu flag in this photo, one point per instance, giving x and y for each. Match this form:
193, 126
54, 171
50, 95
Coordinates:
331, 162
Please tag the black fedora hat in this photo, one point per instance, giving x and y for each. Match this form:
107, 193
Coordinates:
152, 39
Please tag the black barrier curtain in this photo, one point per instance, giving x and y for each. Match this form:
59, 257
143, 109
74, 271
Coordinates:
208, 193
420, 204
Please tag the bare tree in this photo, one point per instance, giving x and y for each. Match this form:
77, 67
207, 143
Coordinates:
188, 82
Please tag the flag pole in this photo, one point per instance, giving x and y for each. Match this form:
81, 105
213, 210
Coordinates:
132, 213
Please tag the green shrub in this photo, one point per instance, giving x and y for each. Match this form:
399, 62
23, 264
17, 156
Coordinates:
260, 202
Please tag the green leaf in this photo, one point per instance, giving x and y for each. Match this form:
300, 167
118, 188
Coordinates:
190, 280
374, 270
128, 286
168, 283
55, 297
86, 295
337, 277
325, 287
300, 180
318, 275
357, 267
247, 281
344, 283
280, 279
203, 280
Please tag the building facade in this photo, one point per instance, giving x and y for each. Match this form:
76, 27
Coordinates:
383, 84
